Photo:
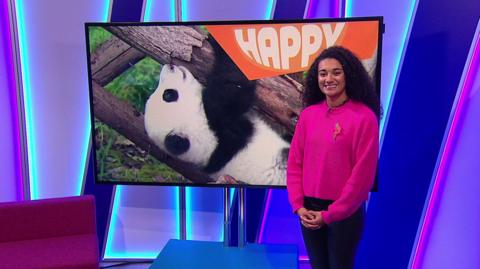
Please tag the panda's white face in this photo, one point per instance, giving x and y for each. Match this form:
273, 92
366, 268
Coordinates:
175, 118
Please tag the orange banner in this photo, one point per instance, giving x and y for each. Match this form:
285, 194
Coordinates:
267, 50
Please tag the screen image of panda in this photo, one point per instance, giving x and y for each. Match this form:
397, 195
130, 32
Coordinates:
171, 107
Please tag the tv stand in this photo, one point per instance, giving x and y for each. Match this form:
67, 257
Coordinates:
187, 254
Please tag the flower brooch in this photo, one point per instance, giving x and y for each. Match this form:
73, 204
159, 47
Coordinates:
337, 131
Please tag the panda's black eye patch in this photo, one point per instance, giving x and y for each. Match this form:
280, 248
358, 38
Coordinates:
170, 95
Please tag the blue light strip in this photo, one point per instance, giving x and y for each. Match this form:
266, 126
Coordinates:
269, 15
106, 12
148, 10
232, 194
111, 231
85, 154
173, 13
348, 8
183, 4
153, 11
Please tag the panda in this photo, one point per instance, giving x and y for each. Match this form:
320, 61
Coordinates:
213, 126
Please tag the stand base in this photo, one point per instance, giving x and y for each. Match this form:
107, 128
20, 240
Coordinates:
187, 254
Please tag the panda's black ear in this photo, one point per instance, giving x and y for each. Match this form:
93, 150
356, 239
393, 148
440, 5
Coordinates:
170, 95
184, 75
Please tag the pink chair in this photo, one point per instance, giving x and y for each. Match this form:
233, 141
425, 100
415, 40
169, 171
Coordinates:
49, 233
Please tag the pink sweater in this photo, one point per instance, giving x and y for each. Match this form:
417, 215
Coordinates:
333, 156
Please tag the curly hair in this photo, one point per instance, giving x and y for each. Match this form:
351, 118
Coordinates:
359, 86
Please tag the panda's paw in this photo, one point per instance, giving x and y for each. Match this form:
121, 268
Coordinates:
226, 179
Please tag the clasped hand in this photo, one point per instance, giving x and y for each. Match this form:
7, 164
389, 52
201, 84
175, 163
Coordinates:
310, 219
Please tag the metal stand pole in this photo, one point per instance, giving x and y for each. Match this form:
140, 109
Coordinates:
178, 10
241, 217
183, 213
226, 217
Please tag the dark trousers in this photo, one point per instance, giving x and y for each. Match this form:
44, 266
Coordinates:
333, 246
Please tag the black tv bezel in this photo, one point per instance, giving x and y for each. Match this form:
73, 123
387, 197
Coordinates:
92, 150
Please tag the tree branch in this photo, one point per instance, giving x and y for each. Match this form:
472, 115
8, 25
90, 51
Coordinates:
111, 59
179, 45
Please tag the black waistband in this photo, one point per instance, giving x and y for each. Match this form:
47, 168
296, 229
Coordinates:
316, 204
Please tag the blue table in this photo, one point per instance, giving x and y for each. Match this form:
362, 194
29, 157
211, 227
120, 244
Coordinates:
183, 254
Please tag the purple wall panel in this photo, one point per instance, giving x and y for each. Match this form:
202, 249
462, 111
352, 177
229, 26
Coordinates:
55, 91
280, 225
10, 163
450, 235
323, 9
207, 10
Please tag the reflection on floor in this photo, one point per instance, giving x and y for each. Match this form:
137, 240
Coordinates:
146, 265
125, 265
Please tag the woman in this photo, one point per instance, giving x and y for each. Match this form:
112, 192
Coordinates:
333, 157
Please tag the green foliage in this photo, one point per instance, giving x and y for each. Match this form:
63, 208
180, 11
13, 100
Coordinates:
118, 159
137, 83
104, 139
157, 171
305, 74
97, 35
204, 29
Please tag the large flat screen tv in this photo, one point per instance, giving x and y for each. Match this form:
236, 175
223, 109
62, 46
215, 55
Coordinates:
207, 103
